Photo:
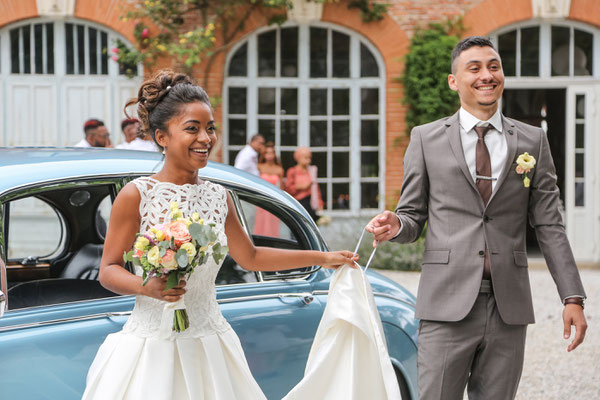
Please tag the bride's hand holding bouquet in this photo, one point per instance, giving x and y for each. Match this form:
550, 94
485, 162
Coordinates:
168, 254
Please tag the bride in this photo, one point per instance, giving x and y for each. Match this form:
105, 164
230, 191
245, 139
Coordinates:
206, 361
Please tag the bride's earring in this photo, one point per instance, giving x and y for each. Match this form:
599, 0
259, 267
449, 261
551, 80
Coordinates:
164, 151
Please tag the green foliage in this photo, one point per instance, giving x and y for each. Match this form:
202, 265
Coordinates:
185, 30
369, 11
425, 77
394, 256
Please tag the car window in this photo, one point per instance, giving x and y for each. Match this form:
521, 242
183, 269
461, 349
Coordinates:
35, 230
55, 241
269, 226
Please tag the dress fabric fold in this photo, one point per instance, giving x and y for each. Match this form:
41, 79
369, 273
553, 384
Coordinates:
348, 359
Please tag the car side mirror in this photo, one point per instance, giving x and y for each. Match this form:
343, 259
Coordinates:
2, 303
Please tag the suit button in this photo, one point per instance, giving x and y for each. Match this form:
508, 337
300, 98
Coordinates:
486, 218
481, 253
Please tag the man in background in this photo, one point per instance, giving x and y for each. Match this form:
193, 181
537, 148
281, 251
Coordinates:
96, 135
247, 158
133, 140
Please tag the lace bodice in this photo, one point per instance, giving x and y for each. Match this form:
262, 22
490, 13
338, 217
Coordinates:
210, 201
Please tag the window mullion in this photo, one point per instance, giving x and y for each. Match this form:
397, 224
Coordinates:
571, 51
518, 55
545, 53
355, 146
355, 124
75, 50
303, 85
329, 54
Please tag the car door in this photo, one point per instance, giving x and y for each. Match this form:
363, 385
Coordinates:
275, 318
55, 322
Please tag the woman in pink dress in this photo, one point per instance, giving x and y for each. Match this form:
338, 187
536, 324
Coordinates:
270, 170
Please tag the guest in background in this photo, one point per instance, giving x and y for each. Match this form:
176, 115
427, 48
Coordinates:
133, 137
247, 158
96, 135
301, 182
270, 169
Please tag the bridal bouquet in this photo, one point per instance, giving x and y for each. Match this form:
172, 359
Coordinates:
174, 249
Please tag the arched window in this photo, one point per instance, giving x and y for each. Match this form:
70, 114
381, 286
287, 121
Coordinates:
548, 49
55, 74
319, 86
86, 48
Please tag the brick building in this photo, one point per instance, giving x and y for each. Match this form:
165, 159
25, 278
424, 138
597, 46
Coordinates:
330, 84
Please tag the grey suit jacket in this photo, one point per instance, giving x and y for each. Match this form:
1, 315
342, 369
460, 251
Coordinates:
438, 188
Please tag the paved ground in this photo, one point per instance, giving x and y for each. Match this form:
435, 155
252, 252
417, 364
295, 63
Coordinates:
550, 373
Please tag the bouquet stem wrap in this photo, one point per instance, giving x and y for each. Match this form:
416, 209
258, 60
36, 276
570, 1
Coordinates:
173, 318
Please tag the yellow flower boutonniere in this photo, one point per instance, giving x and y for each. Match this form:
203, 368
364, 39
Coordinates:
525, 164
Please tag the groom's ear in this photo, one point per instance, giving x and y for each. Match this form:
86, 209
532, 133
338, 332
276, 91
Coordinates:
452, 82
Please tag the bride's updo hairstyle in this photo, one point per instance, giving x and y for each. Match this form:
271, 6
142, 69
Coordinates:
160, 98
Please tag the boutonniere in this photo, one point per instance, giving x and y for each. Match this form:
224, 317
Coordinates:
525, 164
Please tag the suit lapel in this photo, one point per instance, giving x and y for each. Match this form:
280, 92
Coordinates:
511, 134
453, 132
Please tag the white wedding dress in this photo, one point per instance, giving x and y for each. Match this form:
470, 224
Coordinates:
147, 360
204, 362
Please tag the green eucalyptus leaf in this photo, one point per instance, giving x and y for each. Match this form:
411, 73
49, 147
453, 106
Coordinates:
182, 258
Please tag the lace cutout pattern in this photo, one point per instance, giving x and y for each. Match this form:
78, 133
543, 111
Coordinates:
210, 201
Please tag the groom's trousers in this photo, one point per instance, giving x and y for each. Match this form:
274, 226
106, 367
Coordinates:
480, 352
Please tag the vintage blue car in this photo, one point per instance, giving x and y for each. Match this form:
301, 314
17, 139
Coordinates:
54, 314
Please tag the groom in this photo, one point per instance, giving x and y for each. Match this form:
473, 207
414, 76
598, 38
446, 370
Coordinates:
472, 178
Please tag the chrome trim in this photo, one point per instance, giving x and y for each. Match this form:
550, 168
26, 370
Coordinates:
63, 320
306, 297
2, 303
378, 294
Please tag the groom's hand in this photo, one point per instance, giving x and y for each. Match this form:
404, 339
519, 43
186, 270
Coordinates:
573, 315
384, 226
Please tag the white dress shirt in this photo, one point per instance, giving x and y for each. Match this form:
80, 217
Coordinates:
247, 159
139, 144
83, 143
495, 141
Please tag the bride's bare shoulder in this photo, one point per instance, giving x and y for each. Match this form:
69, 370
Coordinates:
128, 197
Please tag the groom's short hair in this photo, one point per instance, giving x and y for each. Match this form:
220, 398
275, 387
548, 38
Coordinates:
467, 43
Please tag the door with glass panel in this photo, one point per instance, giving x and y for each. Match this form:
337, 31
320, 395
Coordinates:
582, 166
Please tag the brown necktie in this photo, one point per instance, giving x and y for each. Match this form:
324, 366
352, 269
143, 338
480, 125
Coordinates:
483, 168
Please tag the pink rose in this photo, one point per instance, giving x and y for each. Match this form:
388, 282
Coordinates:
115, 58
168, 260
145, 33
138, 253
519, 170
179, 231
115, 50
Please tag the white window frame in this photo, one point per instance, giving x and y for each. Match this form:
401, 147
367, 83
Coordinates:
304, 83
60, 81
545, 52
